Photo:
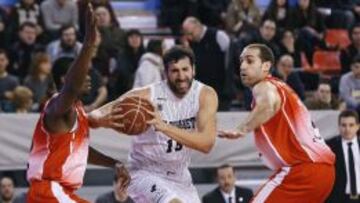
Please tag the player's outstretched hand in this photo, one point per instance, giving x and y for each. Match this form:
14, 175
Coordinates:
107, 118
230, 134
122, 174
92, 35
157, 122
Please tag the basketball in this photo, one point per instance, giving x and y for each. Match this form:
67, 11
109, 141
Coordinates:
134, 114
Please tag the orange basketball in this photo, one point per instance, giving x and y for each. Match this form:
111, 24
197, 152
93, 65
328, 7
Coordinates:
135, 115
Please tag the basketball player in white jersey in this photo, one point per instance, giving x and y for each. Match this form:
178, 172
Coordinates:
185, 119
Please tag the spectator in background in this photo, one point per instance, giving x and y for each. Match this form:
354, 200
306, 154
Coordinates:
23, 50
356, 9
210, 46
112, 41
352, 50
4, 42
8, 83
338, 13
285, 71
173, 13
227, 191
122, 78
242, 16
309, 24
349, 87
118, 195
346, 148
22, 99
287, 46
66, 46
26, 11
95, 3
280, 12
39, 79
7, 190
151, 67
57, 13
323, 99
212, 12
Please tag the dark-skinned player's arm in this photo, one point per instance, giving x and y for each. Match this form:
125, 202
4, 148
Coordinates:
97, 158
268, 102
203, 138
60, 113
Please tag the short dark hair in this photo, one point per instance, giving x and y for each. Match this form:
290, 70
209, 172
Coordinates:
176, 53
347, 114
133, 32
224, 166
266, 54
27, 24
155, 46
2, 51
63, 28
324, 82
60, 68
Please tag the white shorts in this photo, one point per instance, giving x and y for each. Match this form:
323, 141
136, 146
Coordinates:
146, 187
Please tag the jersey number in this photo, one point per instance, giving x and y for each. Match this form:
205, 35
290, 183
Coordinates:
171, 148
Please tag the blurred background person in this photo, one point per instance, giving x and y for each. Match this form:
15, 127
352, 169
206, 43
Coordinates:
151, 67
227, 191
66, 45
323, 98
118, 195
39, 80
7, 190
346, 147
8, 83
22, 99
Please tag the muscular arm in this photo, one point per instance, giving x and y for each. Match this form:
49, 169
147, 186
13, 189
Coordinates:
268, 103
59, 114
204, 138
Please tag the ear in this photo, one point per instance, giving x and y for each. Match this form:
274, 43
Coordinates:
194, 70
266, 66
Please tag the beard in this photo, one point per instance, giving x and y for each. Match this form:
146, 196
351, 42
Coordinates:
67, 47
174, 86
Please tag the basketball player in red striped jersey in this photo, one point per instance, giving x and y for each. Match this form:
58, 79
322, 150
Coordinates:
286, 137
60, 146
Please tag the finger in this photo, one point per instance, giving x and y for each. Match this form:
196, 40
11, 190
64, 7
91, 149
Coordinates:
117, 125
151, 122
151, 113
117, 117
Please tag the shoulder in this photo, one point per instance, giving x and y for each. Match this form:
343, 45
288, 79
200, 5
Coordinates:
244, 190
333, 141
208, 96
211, 195
264, 86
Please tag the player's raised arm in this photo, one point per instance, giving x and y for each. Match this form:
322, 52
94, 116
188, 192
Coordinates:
61, 107
203, 138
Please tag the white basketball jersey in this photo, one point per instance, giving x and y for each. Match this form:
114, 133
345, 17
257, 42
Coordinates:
154, 151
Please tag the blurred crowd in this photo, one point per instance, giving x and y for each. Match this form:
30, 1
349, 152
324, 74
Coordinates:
38, 35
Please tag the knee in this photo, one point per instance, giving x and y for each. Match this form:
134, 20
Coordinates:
175, 200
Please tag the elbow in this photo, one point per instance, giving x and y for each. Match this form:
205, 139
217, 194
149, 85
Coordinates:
207, 146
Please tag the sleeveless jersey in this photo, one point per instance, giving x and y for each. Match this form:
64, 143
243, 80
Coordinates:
290, 137
61, 157
152, 150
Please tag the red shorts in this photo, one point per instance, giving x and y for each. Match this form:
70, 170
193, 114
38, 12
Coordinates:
51, 192
308, 182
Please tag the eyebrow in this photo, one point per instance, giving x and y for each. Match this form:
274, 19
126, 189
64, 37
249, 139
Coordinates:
246, 56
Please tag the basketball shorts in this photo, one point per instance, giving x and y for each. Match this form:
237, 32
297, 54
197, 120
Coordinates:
51, 192
146, 187
307, 182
